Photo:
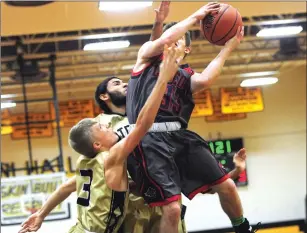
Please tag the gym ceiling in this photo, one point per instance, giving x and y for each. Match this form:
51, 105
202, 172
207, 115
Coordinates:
63, 28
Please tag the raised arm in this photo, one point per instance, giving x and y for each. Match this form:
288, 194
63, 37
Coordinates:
173, 34
161, 15
34, 222
200, 81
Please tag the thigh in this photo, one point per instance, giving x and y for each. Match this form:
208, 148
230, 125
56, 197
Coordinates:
199, 170
157, 178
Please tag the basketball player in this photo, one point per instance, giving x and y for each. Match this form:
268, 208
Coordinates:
179, 161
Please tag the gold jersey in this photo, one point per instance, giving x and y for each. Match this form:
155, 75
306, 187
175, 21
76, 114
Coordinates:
99, 208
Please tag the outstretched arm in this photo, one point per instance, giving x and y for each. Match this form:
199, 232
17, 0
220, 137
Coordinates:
173, 34
214, 69
161, 15
34, 222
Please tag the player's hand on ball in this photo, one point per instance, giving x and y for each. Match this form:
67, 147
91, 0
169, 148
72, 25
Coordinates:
239, 159
171, 59
236, 40
33, 223
210, 8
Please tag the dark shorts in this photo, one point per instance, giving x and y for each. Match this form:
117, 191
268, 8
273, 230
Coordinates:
168, 163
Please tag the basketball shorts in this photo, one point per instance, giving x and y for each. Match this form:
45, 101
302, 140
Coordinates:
169, 163
141, 218
77, 229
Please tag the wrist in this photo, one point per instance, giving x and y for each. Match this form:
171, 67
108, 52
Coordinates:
239, 168
41, 214
158, 22
193, 19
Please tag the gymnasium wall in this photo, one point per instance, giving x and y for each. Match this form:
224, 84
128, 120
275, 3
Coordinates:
276, 144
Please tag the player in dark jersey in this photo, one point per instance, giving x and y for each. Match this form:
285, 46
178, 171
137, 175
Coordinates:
179, 160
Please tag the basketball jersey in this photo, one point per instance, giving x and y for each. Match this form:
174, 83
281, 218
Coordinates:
119, 124
177, 103
99, 208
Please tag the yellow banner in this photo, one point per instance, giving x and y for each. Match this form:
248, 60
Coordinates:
219, 116
71, 112
5, 128
203, 104
241, 100
37, 130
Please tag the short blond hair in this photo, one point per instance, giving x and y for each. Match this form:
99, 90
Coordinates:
81, 139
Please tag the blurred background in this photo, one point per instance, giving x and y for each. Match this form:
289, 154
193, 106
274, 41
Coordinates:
53, 55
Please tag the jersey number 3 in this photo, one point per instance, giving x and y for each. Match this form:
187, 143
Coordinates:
86, 188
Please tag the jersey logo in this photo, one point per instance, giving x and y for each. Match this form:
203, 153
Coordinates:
151, 193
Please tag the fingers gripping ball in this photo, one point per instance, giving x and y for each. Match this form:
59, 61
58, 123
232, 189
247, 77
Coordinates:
221, 27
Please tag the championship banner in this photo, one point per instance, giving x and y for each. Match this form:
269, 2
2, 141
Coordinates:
37, 130
241, 100
203, 104
24, 195
219, 116
71, 112
5, 122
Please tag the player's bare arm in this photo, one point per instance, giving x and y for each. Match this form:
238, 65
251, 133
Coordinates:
34, 222
200, 81
161, 15
153, 48
114, 164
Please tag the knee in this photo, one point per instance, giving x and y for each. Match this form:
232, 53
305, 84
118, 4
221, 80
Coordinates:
226, 187
172, 211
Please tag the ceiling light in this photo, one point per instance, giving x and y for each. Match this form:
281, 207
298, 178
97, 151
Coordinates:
280, 31
8, 105
257, 74
258, 81
123, 6
7, 96
107, 45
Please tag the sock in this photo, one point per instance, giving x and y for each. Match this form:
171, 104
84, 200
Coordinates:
237, 221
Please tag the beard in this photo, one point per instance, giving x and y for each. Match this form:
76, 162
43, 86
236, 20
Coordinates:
117, 99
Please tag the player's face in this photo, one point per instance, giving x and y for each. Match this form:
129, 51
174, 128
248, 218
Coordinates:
117, 91
103, 136
181, 44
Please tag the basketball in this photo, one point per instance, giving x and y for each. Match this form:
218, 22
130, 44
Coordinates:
221, 27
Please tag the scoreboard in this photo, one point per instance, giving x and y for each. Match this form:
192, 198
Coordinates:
224, 151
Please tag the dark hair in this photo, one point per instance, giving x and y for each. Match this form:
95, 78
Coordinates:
80, 137
187, 34
102, 89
